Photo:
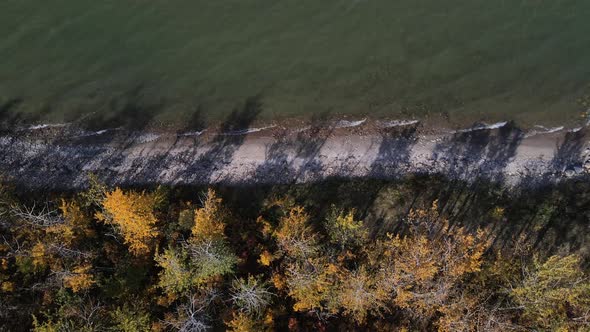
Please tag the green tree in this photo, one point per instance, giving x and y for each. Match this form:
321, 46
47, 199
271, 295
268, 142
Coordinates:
555, 294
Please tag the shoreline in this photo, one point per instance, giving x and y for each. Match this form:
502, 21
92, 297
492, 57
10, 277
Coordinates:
242, 124
61, 156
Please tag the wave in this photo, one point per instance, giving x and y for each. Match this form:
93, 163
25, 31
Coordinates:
483, 126
543, 131
146, 138
193, 133
47, 125
94, 133
348, 124
246, 131
397, 123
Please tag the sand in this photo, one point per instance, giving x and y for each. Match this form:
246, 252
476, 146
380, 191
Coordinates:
60, 158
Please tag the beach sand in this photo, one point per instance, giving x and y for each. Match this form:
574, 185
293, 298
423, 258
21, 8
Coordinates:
61, 157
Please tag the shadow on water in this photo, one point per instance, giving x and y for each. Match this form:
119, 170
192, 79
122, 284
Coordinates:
12, 118
59, 154
195, 122
129, 111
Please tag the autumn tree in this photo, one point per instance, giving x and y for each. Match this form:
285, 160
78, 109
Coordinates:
194, 314
359, 295
206, 255
422, 268
344, 230
210, 219
242, 322
294, 235
132, 215
208, 247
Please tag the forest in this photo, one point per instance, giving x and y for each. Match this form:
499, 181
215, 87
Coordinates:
423, 253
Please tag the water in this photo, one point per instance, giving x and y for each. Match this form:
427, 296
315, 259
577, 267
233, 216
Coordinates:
137, 61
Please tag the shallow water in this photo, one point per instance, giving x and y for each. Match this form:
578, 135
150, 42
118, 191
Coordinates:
134, 62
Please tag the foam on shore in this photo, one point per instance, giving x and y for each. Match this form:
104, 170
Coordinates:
397, 123
193, 133
246, 131
47, 125
543, 131
348, 124
484, 126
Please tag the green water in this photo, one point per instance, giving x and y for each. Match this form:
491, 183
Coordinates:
474, 59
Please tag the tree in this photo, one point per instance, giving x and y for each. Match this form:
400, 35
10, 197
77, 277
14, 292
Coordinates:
175, 277
79, 279
210, 254
555, 295
250, 295
132, 215
344, 231
210, 219
421, 269
242, 322
193, 314
294, 236
311, 283
359, 294
210, 258
129, 319
204, 257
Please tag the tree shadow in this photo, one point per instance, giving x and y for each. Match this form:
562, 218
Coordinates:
569, 153
294, 157
393, 157
220, 150
477, 154
567, 162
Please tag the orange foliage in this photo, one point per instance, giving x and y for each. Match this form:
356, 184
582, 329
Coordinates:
132, 213
80, 280
423, 267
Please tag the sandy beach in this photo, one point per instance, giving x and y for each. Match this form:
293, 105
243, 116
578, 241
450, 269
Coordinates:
61, 157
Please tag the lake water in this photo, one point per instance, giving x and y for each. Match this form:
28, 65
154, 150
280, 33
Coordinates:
176, 60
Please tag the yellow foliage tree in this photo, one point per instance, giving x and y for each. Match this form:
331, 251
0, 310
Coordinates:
359, 294
80, 279
422, 268
345, 231
132, 214
75, 226
311, 284
210, 219
241, 322
39, 255
265, 258
294, 236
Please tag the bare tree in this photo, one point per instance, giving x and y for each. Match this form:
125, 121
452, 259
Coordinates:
192, 316
43, 216
250, 295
